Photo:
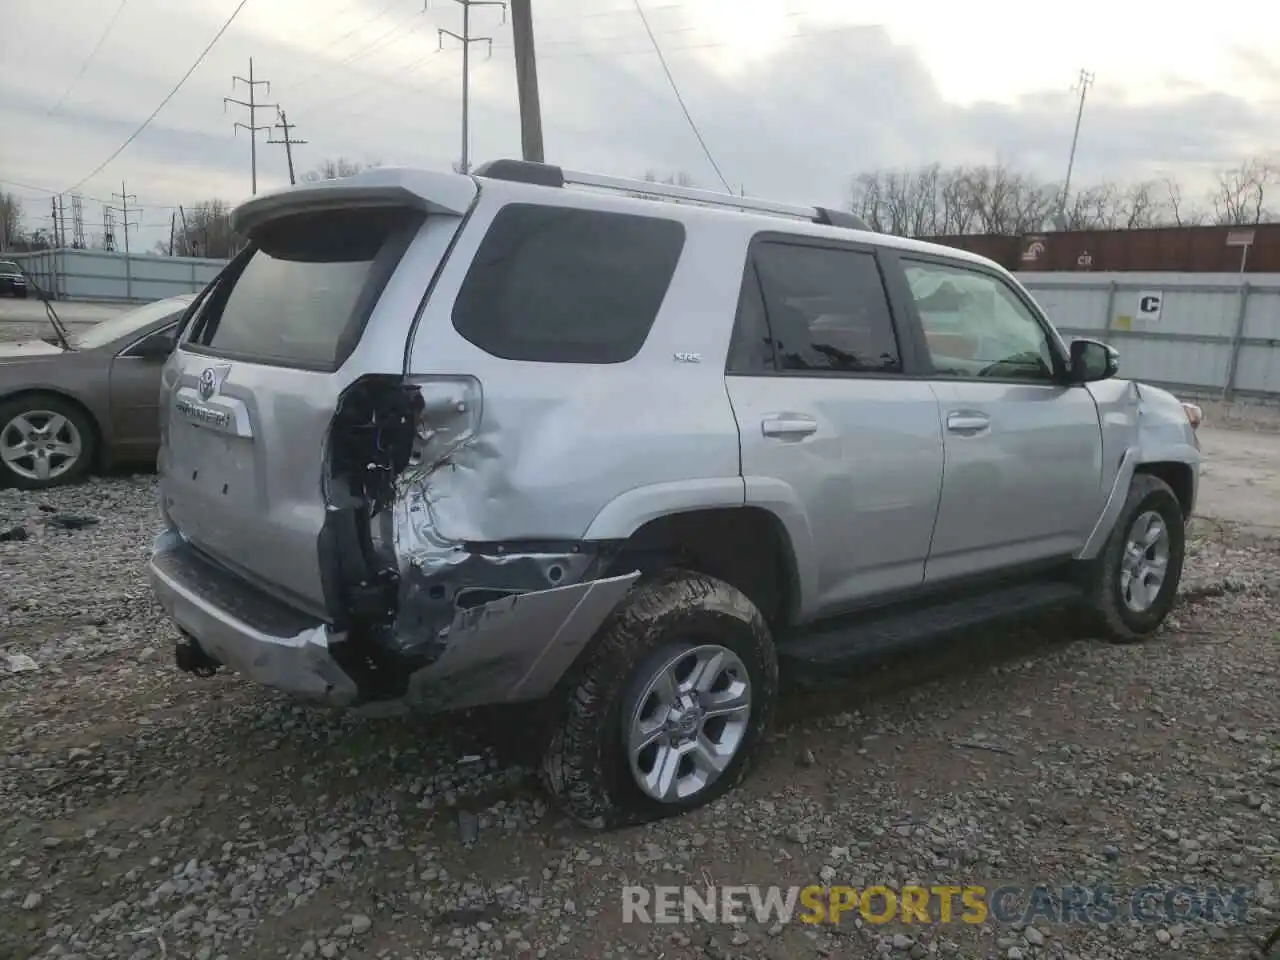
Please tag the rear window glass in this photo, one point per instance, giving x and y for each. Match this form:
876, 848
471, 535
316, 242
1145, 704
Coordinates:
306, 291
567, 286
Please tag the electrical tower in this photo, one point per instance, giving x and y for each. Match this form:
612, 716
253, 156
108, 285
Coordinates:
58, 220
56, 217
253, 107
288, 142
467, 40
125, 223
1083, 85
77, 221
108, 229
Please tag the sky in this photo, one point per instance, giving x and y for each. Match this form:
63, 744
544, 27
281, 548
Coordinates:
793, 97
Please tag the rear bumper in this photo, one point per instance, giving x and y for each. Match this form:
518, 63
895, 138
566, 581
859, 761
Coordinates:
510, 650
241, 628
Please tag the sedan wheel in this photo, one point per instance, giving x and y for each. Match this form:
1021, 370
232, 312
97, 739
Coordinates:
43, 443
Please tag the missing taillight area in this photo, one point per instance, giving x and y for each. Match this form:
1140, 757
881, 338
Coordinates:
407, 579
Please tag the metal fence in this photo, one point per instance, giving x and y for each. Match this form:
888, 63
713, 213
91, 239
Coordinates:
1207, 334
100, 275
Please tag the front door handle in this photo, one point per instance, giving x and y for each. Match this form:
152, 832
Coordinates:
967, 423
789, 426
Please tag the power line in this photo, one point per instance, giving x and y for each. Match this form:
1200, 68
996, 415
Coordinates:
86, 196
89, 59
676, 90
172, 93
374, 18
379, 79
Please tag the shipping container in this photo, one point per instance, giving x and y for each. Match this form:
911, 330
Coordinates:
1162, 249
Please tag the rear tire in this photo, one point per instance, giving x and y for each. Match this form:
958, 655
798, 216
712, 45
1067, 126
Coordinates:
1132, 584
680, 621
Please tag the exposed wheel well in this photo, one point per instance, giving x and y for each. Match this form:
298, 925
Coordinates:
1177, 476
745, 547
94, 425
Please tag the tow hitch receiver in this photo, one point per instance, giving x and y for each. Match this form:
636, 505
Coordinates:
192, 659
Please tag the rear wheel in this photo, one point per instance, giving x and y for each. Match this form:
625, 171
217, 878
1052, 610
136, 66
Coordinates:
1133, 582
669, 707
45, 441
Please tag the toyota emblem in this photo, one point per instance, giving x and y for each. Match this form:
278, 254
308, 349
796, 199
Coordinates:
208, 383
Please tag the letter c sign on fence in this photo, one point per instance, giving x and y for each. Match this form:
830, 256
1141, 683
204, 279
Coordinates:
1149, 304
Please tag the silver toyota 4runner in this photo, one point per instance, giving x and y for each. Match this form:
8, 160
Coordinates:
437, 441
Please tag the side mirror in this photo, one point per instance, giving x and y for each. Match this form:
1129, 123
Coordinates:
1093, 360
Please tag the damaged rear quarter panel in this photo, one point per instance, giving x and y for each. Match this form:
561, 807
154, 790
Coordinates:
515, 459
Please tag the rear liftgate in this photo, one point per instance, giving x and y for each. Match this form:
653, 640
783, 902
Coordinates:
425, 613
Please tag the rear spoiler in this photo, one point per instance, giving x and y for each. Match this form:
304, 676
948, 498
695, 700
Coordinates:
438, 193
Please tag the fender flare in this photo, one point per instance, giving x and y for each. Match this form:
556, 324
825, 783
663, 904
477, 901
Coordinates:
628, 512
1134, 458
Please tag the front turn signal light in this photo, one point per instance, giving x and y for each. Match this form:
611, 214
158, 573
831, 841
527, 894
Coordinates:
1195, 416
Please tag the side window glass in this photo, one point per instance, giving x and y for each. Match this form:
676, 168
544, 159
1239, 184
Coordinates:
827, 309
751, 350
562, 285
975, 326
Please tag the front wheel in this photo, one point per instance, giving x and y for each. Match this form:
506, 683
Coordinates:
669, 707
1134, 580
45, 441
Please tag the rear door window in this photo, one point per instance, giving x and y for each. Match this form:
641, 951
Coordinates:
567, 286
827, 309
303, 296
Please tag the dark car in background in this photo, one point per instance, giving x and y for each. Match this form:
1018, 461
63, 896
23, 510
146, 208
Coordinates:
12, 281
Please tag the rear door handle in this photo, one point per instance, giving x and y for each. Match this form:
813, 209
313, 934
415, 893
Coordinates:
790, 425
967, 423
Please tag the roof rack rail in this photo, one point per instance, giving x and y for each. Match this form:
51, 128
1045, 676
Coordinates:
550, 175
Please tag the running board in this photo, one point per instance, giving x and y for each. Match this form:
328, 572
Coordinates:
875, 634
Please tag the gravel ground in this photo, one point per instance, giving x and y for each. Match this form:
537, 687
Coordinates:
149, 814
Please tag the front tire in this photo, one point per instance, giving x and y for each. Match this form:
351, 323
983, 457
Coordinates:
45, 442
1132, 584
667, 711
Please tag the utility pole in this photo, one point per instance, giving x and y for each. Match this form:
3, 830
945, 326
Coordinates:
186, 235
173, 222
467, 40
527, 80
125, 223
252, 126
1083, 85
288, 142
58, 220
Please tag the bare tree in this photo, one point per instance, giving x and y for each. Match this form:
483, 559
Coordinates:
1239, 196
1181, 213
677, 179
995, 199
336, 169
207, 232
10, 219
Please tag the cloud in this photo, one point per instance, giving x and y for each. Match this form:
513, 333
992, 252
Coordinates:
790, 115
